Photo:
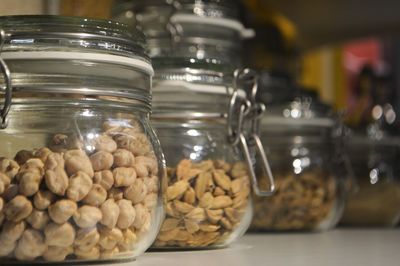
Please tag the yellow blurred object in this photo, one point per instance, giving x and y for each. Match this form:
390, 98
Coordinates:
86, 8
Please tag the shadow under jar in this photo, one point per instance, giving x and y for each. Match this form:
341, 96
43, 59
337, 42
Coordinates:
309, 193
376, 199
80, 166
209, 185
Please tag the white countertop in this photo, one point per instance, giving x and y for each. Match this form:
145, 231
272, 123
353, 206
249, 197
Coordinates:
340, 247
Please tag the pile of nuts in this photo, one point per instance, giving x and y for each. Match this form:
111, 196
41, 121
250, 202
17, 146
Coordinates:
206, 202
301, 202
90, 203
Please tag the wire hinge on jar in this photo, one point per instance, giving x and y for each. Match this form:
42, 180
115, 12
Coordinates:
7, 81
240, 111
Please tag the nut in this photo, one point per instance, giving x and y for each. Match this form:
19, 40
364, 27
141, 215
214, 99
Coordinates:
110, 213
79, 186
87, 216
30, 246
96, 196
123, 158
43, 199
101, 160
62, 210
104, 178
77, 161
124, 177
177, 189
60, 235
18, 209
127, 214
38, 219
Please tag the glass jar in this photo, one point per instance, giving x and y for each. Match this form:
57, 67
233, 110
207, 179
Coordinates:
309, 193
210, 171
80, 167
376, 201
208, 30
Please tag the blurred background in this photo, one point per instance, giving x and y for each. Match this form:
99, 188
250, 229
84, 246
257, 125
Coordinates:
347, 51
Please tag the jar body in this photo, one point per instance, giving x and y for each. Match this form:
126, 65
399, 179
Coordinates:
81, 181
376, 200
309, 196
208, 203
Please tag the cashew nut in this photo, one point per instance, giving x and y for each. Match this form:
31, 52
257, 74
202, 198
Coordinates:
77, 160
60, 235
101, 160
30, 246
79, 186
104, 178
18, 208
43, 199
38, 219
87, 216
62, 210
123, 158
96, 196
127, 214
110, 213
87, 238
124, 177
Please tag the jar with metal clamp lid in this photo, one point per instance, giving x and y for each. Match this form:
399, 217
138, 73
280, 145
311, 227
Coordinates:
208, 30
301, 135
80, 166
199, 117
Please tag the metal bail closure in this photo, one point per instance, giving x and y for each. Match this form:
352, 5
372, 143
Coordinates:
8, 88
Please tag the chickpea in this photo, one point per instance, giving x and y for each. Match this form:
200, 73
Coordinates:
110, 213
29, 183
12, 231
96, 196
54, 160
42, 154
128, 241
105, 143
109, 253
109, 238
18, 209
60, 235
104, 178
77, 161
145, 227
79, 186
30, 246
115, 193
150, 164
38, 219
140, 218
9, 167
33, 165
123, 158
91, 254
87, 238
57, 181
10, 192
1, 204
87, 216
151, 183
150, 201
138, 144
127, 214
136, 192
22, 156
43, 199
102, 160
54, 253
62, 210
4, 182
7, 247
124, 177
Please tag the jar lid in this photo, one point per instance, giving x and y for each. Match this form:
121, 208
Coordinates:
55, 54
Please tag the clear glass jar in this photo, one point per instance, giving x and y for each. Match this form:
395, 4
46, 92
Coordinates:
208, 30
309, 192
81, 168
376, 200
209, 178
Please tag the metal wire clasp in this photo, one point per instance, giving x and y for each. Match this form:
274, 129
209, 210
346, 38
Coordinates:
7, 81
240, 111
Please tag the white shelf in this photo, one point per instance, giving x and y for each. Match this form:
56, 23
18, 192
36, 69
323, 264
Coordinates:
340, 247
